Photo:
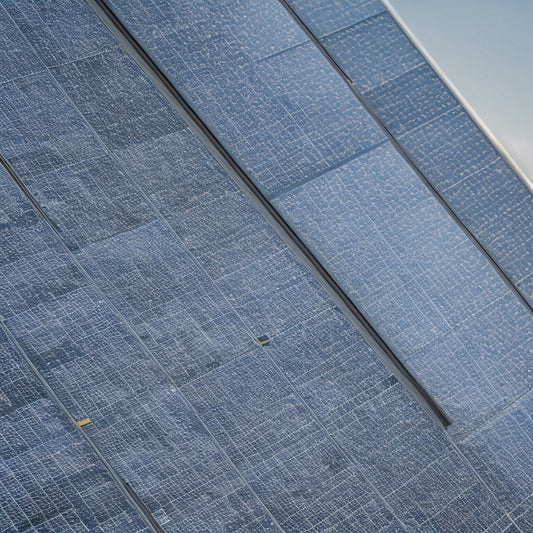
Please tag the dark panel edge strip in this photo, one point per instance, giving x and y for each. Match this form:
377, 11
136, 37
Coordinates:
198, 127
404, 154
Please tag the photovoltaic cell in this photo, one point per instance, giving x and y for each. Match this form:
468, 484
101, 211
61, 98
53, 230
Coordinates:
383, 52
155, 164
523, 514
33, 107
58, 34
506, 441
95, 86
172, 304
328, 16
18, 59
426, 98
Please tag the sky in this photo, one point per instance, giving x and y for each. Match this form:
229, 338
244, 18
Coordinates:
485, 47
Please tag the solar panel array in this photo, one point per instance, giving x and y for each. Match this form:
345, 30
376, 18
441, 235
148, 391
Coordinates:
140, 302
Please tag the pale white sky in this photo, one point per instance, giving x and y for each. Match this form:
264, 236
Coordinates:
485, 47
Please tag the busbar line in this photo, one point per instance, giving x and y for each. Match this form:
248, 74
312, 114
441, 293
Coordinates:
404, 154
264, 206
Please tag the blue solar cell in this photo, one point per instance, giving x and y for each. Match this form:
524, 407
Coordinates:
504, 350
330, 365
261, 28
410, 100
373, 52
226, 234
453, 274
274, 294
500, 452
526, 286
500, 213
96, 86
326, 16
473, 509
59, 31
90, 200
16, 55
455, 371
42, 129
449, 148
164, 170
169, 300
50, 479
523, 515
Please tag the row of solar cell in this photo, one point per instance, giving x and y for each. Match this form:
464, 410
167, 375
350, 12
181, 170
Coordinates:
50, 479
306, 141
431, 126
87, 348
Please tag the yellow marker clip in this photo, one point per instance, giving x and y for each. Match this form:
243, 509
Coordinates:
83, 422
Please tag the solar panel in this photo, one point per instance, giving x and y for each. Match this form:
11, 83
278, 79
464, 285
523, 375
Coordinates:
310, 146
143, 309
432, 127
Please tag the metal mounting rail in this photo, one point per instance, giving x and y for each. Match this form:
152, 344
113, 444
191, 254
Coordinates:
134, 500
404, 154
264, 206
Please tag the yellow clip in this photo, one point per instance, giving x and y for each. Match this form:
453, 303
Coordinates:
83, 422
